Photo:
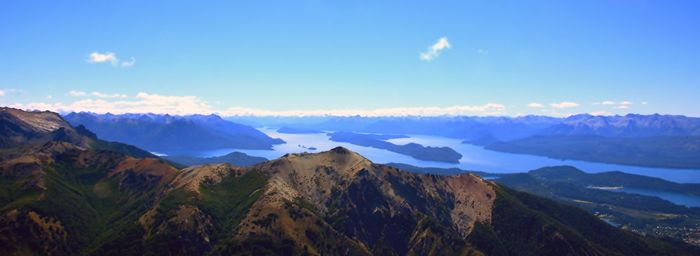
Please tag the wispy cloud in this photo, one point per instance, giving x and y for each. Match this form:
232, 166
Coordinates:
2, 93
482, 52
130, 63
600, 113
564, 104
105, 95
615, 104
623, 105
435, 49
97, 57
535, 105
77, 93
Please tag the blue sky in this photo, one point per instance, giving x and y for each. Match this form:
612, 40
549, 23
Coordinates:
301, 57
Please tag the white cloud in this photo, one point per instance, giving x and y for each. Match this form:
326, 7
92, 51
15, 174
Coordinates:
104, 95
600, 113
435, 49
644, 102
564, 104
482, 52
96, 57
48, 97
77, 93
535, 105
615, 104
2, 93
142, 103
183, 105
623, 105
486, 109
130, 63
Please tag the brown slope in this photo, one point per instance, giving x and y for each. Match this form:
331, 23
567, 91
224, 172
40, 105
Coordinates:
334, 202
57, 193
338, 202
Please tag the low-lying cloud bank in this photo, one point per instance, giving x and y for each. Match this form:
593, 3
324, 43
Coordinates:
186, 105
143, 102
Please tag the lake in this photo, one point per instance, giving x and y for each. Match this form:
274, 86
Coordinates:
473, 157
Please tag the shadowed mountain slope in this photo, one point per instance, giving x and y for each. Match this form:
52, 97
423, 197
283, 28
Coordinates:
173, 135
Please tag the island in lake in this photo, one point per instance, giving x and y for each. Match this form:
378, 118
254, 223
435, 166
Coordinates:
235, 158
417, 151
305, 147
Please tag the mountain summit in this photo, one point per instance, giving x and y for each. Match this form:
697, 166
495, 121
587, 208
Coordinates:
87, 196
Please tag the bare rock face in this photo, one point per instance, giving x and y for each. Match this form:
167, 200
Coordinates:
312, 177
334, 202
192, 178
22, 127
39, 122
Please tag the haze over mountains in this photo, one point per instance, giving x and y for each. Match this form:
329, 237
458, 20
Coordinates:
501, 128
173, 135
631, 125
65, 192
644, 140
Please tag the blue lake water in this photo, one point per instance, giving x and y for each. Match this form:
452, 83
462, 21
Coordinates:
676, 198
473, 157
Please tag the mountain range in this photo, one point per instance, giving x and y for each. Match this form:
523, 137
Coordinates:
500, 128
64, 192
667, 141
630, 139
631, 125
173, 135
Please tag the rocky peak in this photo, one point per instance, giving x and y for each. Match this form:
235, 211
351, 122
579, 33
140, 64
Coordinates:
40, 122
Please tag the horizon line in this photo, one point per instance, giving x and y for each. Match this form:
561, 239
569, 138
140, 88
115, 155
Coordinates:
346, 115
